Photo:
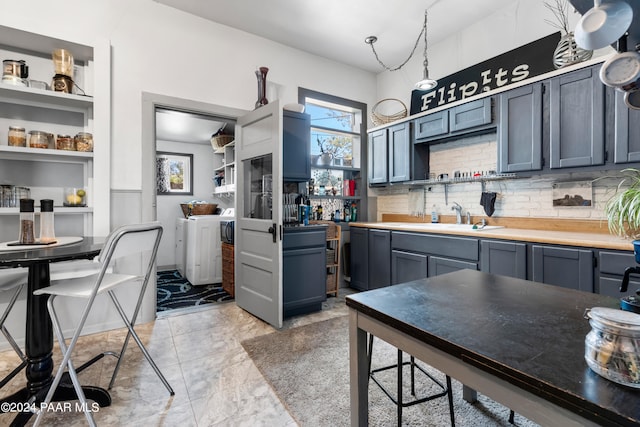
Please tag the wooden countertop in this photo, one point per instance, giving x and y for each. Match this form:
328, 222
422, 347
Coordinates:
589, 239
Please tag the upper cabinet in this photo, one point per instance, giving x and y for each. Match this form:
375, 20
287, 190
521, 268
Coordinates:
471, 116
390, 154
48, 172
576, 119
571, 114
520, 129
296, 146
627, 132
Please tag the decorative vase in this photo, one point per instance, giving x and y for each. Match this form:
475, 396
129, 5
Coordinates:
261, 74
568, 52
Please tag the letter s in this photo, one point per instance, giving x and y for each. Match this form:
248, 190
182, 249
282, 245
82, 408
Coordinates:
521, 72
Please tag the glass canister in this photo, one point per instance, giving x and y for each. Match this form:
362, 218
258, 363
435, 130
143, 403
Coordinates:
84, 141
38, 139
17, 137
27, 217
65, 142
612, 347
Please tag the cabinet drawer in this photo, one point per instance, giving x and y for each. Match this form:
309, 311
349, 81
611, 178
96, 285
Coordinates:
610, 286
616, 262
431, 125
471, 114
305, 239
447, 246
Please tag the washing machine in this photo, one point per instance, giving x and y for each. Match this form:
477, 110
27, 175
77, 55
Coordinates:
203, 251
203, 248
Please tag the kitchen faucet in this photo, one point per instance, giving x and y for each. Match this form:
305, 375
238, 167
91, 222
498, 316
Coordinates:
456, 207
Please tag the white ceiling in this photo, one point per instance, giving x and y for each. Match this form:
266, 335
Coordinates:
333, 29
336, 29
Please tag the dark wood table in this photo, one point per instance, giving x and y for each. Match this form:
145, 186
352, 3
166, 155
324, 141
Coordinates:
39, 331
518, 342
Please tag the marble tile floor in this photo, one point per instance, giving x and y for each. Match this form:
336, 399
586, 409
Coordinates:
199, 352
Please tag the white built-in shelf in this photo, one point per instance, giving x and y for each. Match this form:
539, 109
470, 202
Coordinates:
28, 153
33, 96
56, 210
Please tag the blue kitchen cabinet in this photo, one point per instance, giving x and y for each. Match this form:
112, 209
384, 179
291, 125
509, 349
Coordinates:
627, 132
456, 121
359, 258
576, 119
566, 267
296, 144
504, 258
379, 258
407, 266
390, 154
520, 129
303, 268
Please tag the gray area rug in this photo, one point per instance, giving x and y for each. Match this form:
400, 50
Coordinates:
308, 368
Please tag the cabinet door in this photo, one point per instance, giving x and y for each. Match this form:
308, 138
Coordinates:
438, 265
520, 129
565, 267
399, 153
471, 114
379, 258
407, 266
576, 116
359, 266
504, 258
627, 132
296, 143
431, 125
303, 280
378, 157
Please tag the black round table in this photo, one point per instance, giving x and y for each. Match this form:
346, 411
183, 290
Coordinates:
39, 331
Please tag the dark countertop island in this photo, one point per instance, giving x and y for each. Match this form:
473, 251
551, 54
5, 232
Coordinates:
527, 334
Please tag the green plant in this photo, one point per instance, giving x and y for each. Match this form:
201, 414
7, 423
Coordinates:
623, 208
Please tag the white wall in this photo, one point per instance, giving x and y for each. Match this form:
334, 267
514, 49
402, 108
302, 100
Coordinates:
151, 43
168, 206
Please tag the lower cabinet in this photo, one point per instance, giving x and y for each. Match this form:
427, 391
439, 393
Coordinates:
228, 271
504, 258
379, 258
359, 266
612, 265
566, 267
438, 265
304, 270
407, 266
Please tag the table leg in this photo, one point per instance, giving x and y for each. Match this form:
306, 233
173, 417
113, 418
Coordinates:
359, 372
39, 351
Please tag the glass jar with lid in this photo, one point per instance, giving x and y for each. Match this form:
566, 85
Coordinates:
17, 136
65, 142
84, 141
612, 347
38, 139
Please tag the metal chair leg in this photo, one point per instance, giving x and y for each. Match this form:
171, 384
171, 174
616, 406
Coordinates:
3, 329
146, 354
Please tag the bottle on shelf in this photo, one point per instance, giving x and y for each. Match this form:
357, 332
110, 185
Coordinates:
47, 229
27, 226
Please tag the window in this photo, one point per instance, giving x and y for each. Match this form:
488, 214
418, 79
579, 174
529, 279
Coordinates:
337, 150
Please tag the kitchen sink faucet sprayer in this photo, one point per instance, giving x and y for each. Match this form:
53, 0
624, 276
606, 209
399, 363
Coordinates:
456, 207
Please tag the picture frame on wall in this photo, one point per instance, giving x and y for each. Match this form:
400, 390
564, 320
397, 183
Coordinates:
174, 173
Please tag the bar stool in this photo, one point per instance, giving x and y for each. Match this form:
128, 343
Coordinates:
446, 390
12, 279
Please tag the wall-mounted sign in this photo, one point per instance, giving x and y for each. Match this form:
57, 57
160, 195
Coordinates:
519, 64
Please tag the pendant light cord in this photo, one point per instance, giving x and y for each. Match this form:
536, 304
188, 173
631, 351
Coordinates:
371, 40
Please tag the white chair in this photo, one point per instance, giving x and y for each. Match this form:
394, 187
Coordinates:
127, 242
13, 279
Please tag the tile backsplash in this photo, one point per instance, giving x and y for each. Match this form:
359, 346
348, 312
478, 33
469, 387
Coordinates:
516, 197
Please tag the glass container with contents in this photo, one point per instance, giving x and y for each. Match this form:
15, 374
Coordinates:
47, 231
27, 230
65, 142
38, 139
84, 141
17, 137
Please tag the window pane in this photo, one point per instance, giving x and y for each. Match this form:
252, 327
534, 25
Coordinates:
333, 118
